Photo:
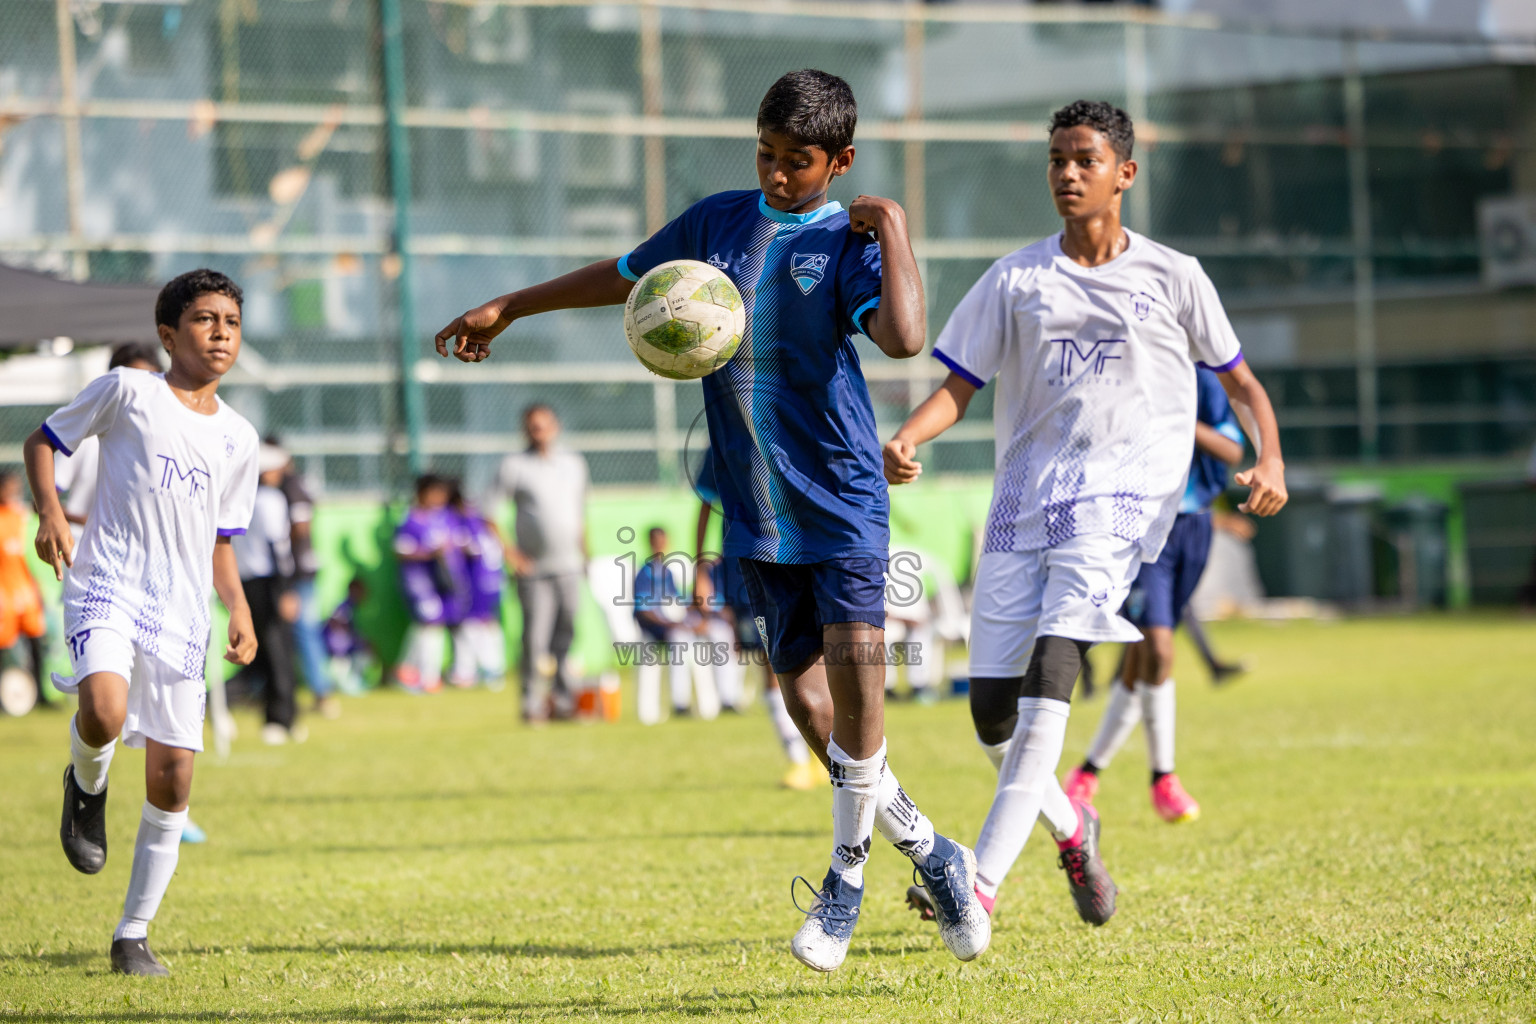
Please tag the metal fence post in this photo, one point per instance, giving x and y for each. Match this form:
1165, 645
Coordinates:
393, 44
1364, 269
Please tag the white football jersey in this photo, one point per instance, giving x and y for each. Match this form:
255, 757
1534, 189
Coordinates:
170, 481
1095, 404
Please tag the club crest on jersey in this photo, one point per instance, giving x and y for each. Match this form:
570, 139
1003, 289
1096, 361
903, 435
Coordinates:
229, 447
808, 270
1141, 305
716, 262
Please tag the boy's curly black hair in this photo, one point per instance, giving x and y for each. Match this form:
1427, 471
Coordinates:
180, 292
1105, 118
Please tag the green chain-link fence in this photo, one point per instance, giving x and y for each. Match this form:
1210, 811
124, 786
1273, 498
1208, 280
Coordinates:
1319, 179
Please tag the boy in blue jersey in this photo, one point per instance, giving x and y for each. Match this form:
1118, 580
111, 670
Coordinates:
1156, 606
798, 464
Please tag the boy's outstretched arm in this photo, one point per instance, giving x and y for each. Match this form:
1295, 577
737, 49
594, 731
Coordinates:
899, 325
1266, 480
55, 543
469, 337
226, 583
940, 411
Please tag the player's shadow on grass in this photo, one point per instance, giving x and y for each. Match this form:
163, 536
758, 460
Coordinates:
579, 840
692, 1004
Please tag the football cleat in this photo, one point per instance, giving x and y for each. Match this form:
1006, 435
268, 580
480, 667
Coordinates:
1092, 889
948, 876
1171, 802
192, 834
1080, 786
822, 942
804, 776
83, 830
133, 956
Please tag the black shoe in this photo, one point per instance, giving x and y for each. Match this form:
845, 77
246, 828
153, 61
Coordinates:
1092, 889
132, 956
83, 830
1224, 672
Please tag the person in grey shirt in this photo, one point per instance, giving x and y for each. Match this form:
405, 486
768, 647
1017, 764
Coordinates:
548, 485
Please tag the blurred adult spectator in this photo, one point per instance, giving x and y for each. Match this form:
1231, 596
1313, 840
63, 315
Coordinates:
307, 637
350, 653
75, 475
265, 555
422, 540
548, 485
21, 602
479, 646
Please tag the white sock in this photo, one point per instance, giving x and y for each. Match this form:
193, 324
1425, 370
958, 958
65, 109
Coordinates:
1121, 713
648, 694
899, 820
1157, 714
727, 676
794, 746
154, 862
995, 752
1028, 770
90, 762
855, 793
1057, 813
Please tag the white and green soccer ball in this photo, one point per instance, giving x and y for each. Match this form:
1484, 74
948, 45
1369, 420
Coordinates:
684, 319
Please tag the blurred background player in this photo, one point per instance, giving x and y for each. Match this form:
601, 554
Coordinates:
547, 483
350, 654
307, 639
22, 623
265, 554
176, 462
814, 556
718, 585
670, 625
421, 540
479, 646
1144, 692
1093, 335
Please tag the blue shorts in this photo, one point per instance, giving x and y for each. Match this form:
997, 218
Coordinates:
1163, 587
793, 603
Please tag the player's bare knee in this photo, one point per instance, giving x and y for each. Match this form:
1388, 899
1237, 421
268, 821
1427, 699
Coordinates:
1053, 668
168, 777
103, 708
995, 707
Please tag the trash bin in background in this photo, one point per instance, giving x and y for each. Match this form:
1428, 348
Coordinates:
1416, 527
1352, 510
1321, 544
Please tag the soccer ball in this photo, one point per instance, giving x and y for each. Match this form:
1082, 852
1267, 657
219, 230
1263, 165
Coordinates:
684, 319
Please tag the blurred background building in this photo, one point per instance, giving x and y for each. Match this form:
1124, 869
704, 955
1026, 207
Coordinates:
1358, 179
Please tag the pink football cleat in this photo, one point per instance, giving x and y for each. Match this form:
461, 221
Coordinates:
1080, 786
1170, 801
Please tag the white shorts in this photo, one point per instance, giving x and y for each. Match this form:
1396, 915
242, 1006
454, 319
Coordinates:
163, 704
1074, 590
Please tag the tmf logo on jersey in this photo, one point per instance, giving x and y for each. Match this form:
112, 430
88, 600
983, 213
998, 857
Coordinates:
808, 270
171, 476
1092, 355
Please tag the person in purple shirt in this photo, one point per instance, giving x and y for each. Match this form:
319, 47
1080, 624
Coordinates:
421, 540
479, 647
349, 650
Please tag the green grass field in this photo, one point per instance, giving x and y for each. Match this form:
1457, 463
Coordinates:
1367, 852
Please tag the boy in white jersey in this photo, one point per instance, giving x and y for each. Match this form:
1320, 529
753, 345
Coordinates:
177, 479
1093, 335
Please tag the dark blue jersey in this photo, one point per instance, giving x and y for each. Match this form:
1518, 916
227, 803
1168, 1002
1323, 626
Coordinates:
1207, 473
797, 459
